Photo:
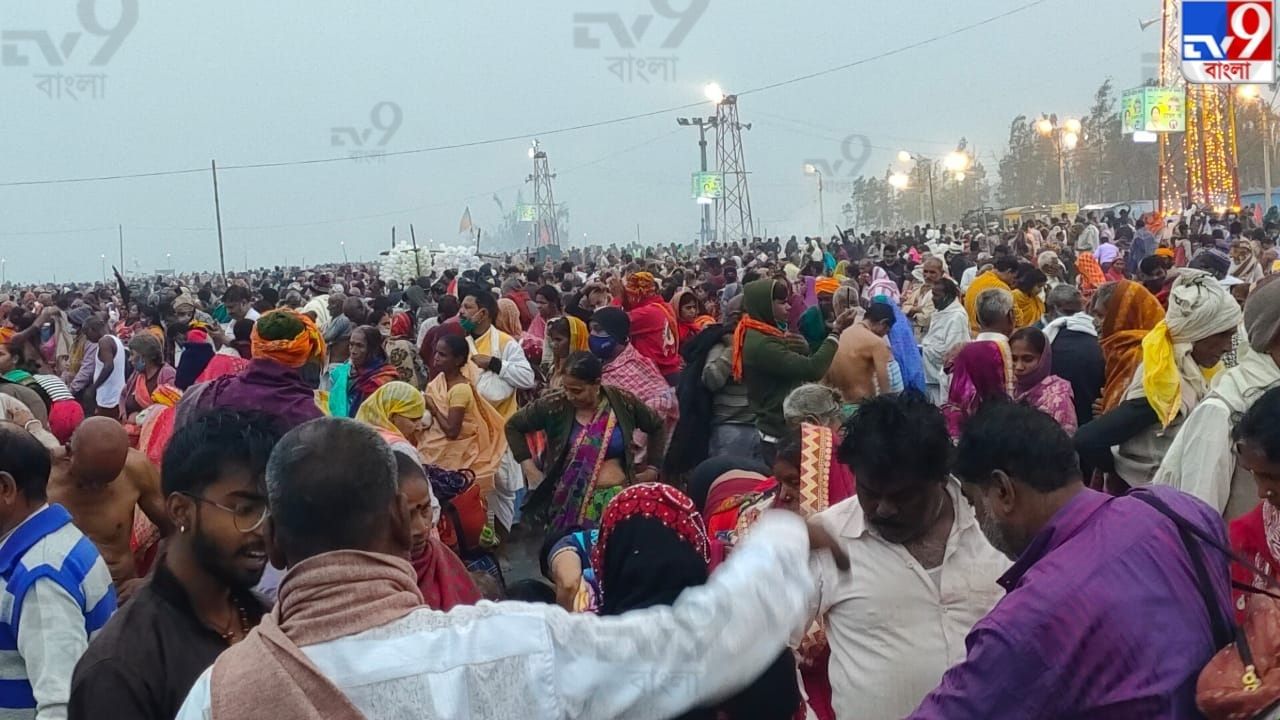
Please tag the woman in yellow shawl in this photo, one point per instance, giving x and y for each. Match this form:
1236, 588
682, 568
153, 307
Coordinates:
395, 410
466, 432
1028, 307
565, 335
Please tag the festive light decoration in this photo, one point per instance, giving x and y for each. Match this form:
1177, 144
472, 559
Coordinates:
1200, 166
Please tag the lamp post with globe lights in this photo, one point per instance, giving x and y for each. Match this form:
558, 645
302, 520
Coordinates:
1065, 135
956, 163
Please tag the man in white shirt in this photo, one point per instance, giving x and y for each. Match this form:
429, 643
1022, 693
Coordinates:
350, 638
923, 571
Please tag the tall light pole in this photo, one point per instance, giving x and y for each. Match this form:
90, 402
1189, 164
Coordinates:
4, 275
702, 123
1065, 135
1249, 93
343, 243
822, 214
104, 268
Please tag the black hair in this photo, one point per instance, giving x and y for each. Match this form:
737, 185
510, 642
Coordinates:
408, 467
559, 326
448, 305
1023, 442
330, 485
531, 590
551, 295
1033, 336
949, 286
780, 290
372, 341
236, 293
203, 448
487, 302
457, 346
897, 436
242, 330
789, 448
1006, 264
1149, 264
584, 366
1030, 276
1260, 424
26, 460
881, 312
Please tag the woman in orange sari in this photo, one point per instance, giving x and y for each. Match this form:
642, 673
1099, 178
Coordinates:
1127, 311
466, 432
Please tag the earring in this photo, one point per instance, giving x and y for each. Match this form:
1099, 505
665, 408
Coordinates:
182, 528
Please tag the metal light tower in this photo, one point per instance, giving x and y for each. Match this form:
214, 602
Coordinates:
544, 200
703, 123
733, 219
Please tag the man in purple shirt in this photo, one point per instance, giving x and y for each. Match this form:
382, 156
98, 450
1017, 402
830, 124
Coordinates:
1103, 617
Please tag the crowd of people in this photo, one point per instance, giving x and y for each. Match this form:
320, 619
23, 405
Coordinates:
930, 473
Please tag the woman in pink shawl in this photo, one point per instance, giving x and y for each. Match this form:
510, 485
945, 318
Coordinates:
983, 370
1036, 385
881, 284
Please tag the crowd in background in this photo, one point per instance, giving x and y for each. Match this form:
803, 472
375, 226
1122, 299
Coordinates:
1007, 433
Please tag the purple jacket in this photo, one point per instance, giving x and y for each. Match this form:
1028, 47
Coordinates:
265, 385
1102, 620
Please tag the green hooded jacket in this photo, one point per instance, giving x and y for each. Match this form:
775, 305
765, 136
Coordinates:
771, 366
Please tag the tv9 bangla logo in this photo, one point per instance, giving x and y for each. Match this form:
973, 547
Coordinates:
1228, 43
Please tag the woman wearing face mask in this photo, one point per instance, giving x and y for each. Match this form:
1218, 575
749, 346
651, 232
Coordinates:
626, 368
589, 458
150, 371
1036, 385
465, 432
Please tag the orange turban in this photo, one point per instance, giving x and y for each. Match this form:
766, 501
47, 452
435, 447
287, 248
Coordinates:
826, 286
287, 337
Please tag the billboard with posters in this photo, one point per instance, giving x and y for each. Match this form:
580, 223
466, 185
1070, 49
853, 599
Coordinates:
1153, 110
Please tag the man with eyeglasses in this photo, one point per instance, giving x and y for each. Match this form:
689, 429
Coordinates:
198, 601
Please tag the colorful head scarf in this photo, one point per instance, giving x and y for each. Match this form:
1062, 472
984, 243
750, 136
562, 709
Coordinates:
401, 325
287, 337
1198, 308
640, 285
657, 501
394, 398
983, 370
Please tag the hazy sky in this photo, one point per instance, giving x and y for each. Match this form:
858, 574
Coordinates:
267, 82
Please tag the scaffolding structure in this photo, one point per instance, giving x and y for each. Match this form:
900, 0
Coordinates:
733, 211
546, 226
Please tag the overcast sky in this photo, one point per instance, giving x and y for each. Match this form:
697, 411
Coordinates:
250, 82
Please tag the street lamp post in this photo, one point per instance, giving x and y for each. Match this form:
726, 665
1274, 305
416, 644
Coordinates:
4, 277
702, 123
822, 213
1065, 136
343, 243
1253, 92
956, 163
104, 268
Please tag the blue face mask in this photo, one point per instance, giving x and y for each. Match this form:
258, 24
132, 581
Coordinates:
139, 365
602, 346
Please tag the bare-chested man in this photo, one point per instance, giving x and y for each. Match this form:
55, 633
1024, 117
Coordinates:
100, 482
860, 370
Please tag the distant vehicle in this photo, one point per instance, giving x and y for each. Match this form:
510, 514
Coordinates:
1136, 208
1015, 216
983, 217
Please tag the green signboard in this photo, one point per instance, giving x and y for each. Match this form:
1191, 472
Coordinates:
1153, 109
526, 213
708, 185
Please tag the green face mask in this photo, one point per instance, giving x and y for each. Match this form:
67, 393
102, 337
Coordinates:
468, 325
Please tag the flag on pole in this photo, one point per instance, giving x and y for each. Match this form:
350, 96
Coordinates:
465, 225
